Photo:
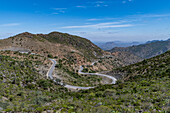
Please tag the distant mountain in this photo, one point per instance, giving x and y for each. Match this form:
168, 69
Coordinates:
152, 41
156, 41
148, 50
110, 45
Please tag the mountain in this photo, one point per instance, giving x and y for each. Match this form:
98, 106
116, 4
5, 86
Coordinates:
142, 87
156, 41
153, 41
147, 50
75, 49
54, 43
110, 45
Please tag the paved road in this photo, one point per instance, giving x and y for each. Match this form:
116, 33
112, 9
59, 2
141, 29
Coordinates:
103, 75
50, 71
49, 74
76, 87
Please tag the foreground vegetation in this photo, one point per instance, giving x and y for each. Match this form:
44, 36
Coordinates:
144, 87
22, 88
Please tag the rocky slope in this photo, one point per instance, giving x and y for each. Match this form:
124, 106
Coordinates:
147, 50
54, 44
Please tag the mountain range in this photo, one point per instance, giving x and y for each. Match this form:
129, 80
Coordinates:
110, 45
113, 44
144, 51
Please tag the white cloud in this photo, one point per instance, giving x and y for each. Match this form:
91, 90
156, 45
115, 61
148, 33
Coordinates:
93, 19
10, 24
125, 1
81, 6
146, 16
98, 4
98, 19
102, 25
60, 10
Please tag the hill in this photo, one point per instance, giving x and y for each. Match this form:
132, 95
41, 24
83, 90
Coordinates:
54, 44
147, 50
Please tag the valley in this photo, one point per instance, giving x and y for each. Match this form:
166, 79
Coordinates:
84, 56
71, 80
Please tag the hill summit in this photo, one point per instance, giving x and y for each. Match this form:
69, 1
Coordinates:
54, 44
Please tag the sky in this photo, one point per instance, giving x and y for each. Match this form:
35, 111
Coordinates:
96, 20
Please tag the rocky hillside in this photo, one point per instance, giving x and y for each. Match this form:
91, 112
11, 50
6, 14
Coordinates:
112, 61
147, 50
54, 44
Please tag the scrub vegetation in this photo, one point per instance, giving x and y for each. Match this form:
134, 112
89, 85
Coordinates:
143, 87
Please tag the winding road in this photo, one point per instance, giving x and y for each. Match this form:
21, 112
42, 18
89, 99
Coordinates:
50, 71
49, 75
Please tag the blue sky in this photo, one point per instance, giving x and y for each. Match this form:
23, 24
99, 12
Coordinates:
97, 20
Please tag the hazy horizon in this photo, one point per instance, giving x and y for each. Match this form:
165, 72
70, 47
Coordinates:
122, 41
96, 20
